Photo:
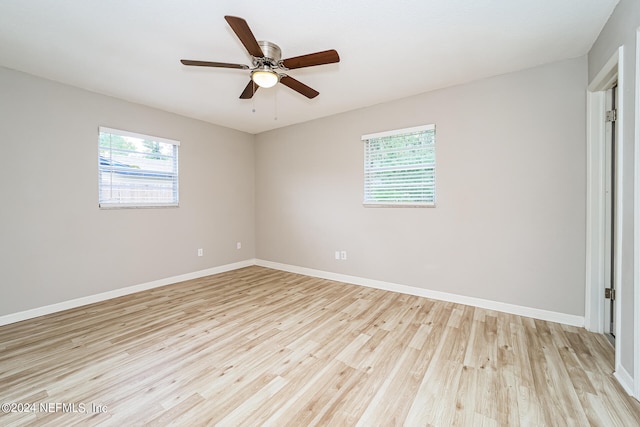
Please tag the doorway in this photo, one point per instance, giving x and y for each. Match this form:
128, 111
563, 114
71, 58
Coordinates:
610, 223
604, 169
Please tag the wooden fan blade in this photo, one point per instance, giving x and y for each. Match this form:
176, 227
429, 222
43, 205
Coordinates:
299, 87
242, 30
318, 58
213, 64
248, 91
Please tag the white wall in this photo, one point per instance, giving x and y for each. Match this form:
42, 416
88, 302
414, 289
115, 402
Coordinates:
620, 30
57, 245
509, 225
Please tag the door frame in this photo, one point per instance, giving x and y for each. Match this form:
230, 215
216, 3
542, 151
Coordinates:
595, 256
611, 224
636, 229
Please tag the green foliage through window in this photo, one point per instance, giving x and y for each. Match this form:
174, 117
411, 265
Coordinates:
399, 167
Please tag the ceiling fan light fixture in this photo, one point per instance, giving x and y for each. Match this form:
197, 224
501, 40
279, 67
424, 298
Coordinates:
266, 60
265, 77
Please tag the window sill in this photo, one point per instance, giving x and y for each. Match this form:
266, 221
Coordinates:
126, 206
399, 205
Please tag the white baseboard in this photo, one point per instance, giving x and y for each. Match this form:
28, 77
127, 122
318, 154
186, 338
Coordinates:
536, 313
625, 379
78, 302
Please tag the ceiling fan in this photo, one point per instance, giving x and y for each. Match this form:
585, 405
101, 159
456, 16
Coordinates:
267, 66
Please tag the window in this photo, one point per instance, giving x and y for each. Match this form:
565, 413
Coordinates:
400, 167
136, 170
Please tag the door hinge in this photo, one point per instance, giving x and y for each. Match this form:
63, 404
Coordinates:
610, 294
611, 116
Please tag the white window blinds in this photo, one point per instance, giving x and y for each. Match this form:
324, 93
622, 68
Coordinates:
400, 167
136, 170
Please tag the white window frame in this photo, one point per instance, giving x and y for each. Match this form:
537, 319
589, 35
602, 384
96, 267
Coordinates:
103, 167
427, 184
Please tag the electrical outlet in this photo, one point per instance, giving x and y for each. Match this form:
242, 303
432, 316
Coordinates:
200, 252
239, 245
337, 254
343, 255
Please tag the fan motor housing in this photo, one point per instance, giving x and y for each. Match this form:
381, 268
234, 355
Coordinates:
270, 50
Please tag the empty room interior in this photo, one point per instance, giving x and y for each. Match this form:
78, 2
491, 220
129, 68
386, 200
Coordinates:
338, 213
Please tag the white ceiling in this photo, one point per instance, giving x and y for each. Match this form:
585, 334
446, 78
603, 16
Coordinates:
389, 49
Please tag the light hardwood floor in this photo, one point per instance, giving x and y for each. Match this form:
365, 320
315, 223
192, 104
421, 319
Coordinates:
263, 347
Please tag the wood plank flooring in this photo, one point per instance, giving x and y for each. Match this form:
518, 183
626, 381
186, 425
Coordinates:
258, 347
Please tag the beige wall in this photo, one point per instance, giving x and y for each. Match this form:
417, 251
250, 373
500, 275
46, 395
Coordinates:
621, 30
56, 245
509, 225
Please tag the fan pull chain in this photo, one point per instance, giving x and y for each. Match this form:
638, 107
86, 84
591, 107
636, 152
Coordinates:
253, 99
275, 105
